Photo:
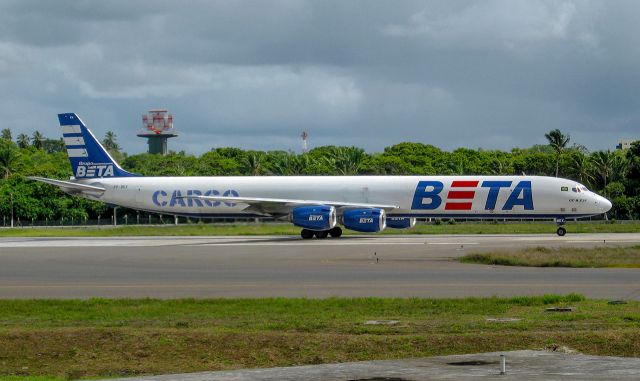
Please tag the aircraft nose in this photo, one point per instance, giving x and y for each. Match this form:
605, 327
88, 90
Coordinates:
604, 204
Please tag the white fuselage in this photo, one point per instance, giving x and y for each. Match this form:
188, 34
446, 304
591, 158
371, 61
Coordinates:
418, 196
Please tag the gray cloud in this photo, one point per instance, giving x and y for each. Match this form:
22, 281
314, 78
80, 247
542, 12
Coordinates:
492, 74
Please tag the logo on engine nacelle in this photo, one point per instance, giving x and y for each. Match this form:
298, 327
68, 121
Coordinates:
366, 220
316, 217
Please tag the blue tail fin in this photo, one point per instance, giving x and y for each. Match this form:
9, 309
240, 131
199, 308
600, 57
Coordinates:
88, 157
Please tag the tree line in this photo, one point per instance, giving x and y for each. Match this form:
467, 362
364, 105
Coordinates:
614, 174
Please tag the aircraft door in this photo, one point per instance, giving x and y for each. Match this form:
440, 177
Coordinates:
365, 195
140, 197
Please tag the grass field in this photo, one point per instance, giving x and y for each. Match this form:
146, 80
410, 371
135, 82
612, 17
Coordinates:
109, 338
560, 257
288, 229
32, 378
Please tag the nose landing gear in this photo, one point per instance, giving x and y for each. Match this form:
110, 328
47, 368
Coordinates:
561, 230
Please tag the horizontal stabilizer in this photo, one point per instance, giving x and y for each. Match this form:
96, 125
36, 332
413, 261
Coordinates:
68, 185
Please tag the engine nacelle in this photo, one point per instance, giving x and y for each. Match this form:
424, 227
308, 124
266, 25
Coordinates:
401, 222
314, 217
364, 220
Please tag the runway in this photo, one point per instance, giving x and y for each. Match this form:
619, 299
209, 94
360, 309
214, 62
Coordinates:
389, 266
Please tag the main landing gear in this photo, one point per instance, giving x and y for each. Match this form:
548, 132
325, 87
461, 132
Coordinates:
321, 234
561, 230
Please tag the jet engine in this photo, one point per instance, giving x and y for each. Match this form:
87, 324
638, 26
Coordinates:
401, 222
364, 220
314, 217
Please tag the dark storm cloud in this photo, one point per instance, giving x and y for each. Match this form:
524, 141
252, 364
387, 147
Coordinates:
492, 74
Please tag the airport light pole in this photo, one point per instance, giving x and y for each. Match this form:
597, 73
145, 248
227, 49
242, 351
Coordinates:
11, 209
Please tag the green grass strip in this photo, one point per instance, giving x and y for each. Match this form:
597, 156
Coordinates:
124, 337
560, 257
32, 378
288, 229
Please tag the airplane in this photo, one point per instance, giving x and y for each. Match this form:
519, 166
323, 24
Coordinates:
320, 204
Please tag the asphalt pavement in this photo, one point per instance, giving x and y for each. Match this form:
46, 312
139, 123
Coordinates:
386, 266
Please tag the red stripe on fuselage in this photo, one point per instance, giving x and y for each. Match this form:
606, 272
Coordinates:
457, 206
461, 195
464, 184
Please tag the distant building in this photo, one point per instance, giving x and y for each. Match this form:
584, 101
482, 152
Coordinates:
157, 127
624, 144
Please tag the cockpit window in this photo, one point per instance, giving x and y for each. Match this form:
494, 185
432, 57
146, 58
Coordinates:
579, 189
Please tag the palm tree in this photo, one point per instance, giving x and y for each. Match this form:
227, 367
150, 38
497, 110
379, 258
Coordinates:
497, 167
38, 139
8, 161
604, 165
281, 165
620, 166
348, 160
287, 164
110, 141
23, 141
53, 145
253, 164
582, 168
558, 141
6, 134
300, 164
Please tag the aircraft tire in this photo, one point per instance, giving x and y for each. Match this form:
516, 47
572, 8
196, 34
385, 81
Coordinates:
306, 234
322, 234
561, 231
336, 232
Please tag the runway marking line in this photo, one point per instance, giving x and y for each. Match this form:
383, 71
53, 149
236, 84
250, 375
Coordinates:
452, 243
297, 243
602, 241
312, 283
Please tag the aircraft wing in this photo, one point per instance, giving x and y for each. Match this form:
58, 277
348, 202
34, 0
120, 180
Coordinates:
276, 205
68, 186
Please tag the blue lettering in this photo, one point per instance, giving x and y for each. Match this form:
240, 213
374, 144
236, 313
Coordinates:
231, 193
155, 196
423, 193
176, 200
494, 190
160, 198
524, 188
191, 201
212, 192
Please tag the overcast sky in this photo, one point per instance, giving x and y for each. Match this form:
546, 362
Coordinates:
255, 74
